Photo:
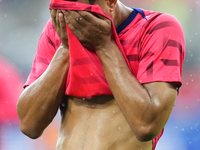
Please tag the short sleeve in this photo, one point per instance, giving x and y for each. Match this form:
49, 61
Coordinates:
46, 49
162, 51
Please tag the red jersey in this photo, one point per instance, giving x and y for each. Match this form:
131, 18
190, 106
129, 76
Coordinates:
152, 43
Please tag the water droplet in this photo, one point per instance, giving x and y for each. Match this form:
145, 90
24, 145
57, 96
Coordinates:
89, 97
63, 105
91, 74
83, 98
183, 129
119, 128
113, 112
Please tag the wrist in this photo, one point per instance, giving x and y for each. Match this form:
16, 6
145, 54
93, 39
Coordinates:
106, 48
62, 54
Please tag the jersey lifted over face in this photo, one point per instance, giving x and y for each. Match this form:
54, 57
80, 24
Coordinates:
152, 44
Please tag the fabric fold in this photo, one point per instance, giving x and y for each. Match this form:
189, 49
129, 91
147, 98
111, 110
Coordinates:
86, 78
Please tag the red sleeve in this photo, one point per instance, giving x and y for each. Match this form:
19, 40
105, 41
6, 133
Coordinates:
45, 51
162, 50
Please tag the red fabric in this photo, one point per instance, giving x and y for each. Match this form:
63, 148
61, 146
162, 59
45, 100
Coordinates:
155, 141
153, 48
85, 80
11, 86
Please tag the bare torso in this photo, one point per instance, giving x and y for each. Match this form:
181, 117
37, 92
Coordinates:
96, 124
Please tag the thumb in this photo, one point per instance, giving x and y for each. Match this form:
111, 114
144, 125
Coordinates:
108, 21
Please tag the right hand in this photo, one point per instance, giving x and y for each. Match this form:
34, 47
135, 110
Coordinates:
59, 24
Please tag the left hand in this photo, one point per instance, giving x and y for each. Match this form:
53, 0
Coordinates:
93, 32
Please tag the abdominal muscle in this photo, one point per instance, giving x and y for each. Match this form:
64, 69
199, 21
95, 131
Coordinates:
96, 124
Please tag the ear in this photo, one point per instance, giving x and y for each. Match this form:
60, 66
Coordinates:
112, 4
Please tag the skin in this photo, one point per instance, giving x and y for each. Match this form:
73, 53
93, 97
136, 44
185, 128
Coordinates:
129, 119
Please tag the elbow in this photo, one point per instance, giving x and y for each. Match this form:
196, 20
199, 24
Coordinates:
148, 133
29, 131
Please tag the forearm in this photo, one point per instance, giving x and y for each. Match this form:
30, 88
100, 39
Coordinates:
136, 103
124, 86
39, 103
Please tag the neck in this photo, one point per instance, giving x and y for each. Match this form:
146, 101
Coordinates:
121, 13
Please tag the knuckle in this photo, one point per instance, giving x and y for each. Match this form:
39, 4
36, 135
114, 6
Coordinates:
77, 16
85, 16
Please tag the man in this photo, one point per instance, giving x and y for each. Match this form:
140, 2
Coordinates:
134, 115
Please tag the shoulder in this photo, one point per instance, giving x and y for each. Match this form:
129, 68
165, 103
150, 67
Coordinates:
49, 27
162, 22
49, 36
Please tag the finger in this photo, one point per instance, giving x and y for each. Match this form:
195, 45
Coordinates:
82, 20
70, 21
88, 17
62, 24
74, 17
53, 14
104, 18
99, 21
57, 17
65, 13
79, 19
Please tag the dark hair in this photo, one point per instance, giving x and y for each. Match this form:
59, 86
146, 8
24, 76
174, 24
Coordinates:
90, 1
